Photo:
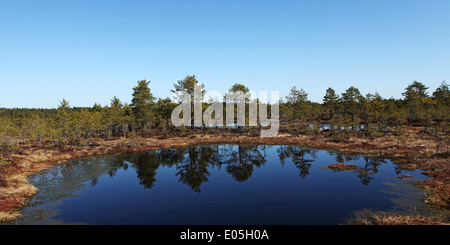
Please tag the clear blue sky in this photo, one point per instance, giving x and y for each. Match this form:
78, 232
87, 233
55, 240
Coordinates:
90, 51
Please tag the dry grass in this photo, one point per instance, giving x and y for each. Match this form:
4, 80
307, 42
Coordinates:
8, 216
439, 194
387, 219
410, 166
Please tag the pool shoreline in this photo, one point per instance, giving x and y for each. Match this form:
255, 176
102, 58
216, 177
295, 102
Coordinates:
33, 159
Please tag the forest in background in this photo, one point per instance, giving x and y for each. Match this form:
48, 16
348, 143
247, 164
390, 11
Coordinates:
347, 114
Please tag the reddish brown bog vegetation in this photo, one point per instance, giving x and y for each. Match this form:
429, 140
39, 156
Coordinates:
341, 166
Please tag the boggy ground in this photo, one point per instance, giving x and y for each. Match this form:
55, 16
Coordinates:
416, 150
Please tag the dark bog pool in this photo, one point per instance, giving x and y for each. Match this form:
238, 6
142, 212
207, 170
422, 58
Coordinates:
220, 184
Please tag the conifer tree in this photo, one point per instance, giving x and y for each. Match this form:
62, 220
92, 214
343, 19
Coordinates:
142, 104
330, 101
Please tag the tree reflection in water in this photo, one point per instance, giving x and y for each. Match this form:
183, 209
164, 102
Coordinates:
370, 168
297, 155
146, 164
241, 160
192, 163
365, 173
193, 170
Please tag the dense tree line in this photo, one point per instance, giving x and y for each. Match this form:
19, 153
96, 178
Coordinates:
370, 115
346, 114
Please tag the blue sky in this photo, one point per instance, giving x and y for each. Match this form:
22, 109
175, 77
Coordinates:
90, 51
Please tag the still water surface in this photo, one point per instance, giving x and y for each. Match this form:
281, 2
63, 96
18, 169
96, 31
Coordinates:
219, 184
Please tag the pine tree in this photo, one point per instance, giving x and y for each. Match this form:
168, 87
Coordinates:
442, 97
331, 100
116, 103
414, 95
297, 100
351, 102
142, 104
188, 85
